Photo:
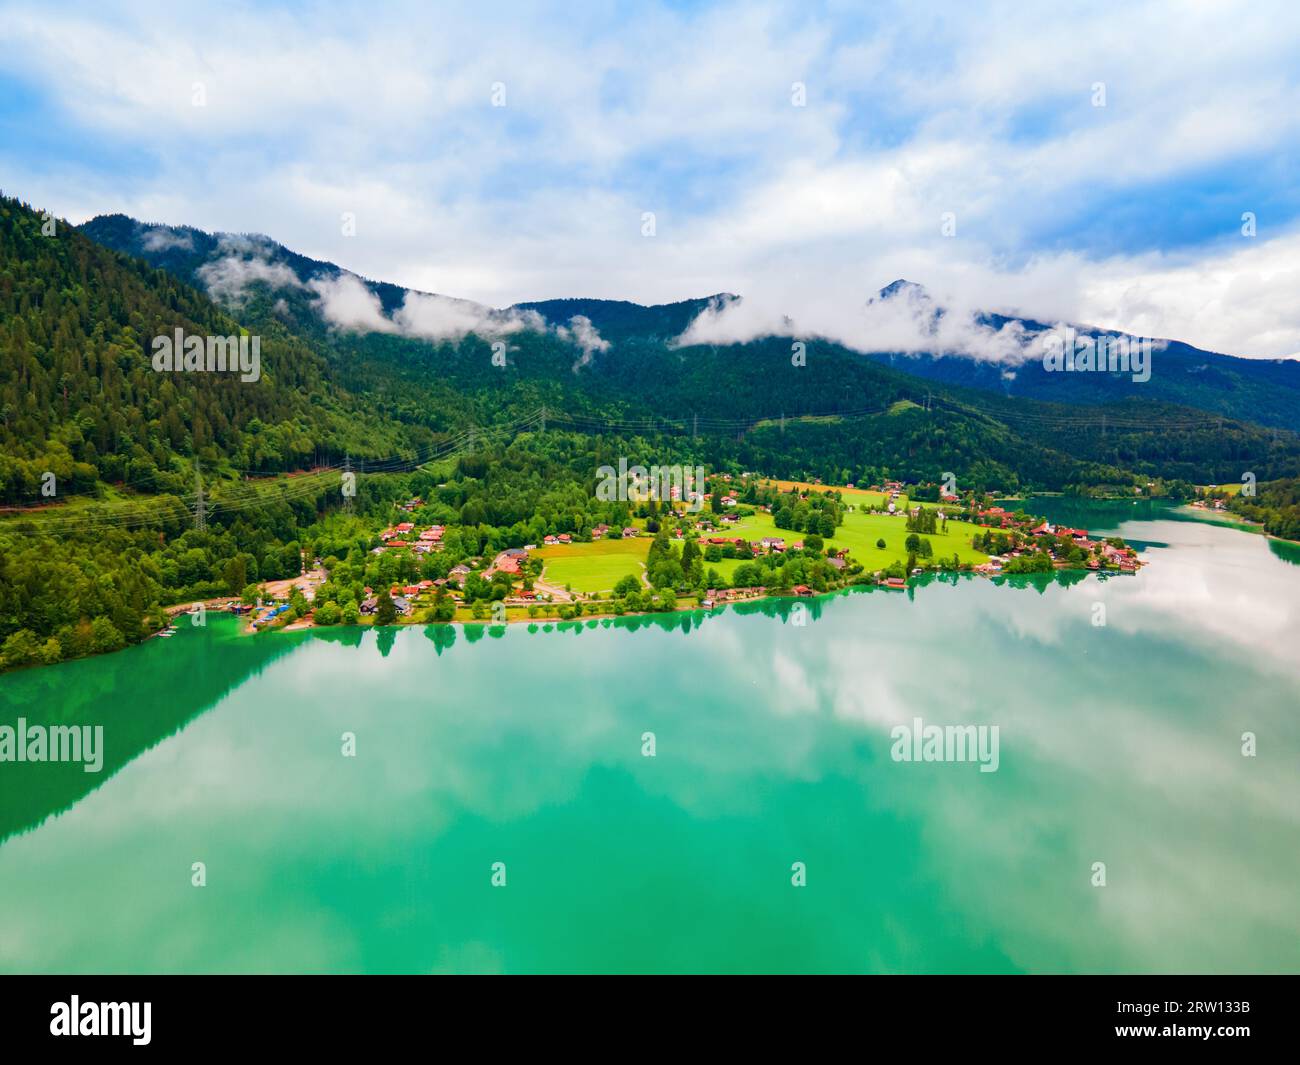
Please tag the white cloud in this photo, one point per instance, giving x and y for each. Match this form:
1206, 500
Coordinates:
444, 318
733, 320
806, 211
346, 302
227, 278
164, 239
908, 322
1237, 299
585, 336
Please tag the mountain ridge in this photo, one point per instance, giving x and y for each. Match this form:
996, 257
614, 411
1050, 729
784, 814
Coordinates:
309, 295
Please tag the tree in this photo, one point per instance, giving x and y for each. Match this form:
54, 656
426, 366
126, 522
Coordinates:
21, 648
385, 608
104, 636
880, 544
194, 566
690, 552
444, 607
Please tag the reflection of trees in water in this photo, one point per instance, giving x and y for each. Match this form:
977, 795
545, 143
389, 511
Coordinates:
140, 696
1286, 551
144, 694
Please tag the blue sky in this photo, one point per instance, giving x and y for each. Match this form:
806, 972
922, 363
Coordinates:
1125, 215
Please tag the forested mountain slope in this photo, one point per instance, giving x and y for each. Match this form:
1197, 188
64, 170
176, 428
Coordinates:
500, 426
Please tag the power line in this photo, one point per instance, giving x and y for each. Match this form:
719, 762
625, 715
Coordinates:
136, 513
271, 490
200, 504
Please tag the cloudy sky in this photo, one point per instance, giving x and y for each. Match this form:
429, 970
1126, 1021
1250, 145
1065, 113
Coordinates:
1090, 163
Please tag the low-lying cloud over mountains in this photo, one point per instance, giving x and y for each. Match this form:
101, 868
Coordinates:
347, 302
229, 265
903, 318
945, 337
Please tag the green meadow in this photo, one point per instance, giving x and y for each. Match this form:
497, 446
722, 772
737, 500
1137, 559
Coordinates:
594, 567
860, 532
858, 535
598, 566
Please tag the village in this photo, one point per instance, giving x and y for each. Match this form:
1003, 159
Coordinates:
603, 569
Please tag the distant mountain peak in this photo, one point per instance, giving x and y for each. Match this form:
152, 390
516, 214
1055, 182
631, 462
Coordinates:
903, 287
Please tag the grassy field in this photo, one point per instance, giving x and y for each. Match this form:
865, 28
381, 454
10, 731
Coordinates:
858, 535
755, 527
860, 532
597, 566
726, 567
849, 495
594, 567
855, 496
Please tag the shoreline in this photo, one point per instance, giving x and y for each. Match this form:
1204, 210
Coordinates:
552, 612
1234, 520
307, 624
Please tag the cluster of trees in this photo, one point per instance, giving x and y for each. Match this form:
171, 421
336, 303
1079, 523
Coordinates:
79, 397
926, 521
1276, 505
85, 591
819, 513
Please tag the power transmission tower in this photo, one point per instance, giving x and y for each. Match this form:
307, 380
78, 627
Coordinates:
543, 417
349, 484
200, 503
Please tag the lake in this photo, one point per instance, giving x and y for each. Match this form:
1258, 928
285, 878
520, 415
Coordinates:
505, 754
